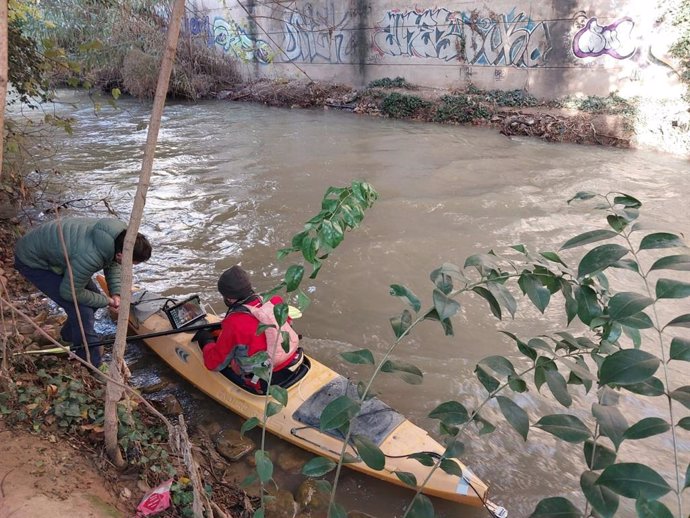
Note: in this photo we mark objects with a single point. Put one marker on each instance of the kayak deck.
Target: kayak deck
(400, 439)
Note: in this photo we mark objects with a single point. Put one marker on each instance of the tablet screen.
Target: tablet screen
(185, 312)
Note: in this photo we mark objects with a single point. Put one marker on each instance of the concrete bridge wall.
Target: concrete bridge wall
(549, 48)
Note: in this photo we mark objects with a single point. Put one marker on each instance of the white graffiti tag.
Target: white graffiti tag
(595, 40)
(313, 36)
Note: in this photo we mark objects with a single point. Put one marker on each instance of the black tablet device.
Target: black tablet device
(185, 312)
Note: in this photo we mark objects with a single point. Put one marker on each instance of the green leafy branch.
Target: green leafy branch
(342, 209)
(611, 319)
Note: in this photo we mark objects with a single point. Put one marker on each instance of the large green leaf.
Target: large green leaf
(369, 452)
(564, 426)
(673, 262)
(652, 387)
(682, 395)
(273, 409)
(602, 499)
(633, 480)
(279, 394)
(681, 321)
(443, 277)
(647, 427)
(611, 422)
(264, 466)
(293, 277)
(406, 478)
(680, 349)
(556, 507)
(331, 233)
(249, 424)
(588, 237)
(423, 458)
(444, 305)
(627, 367)
(421, 507)
(515, 415)
(499, 364)
(661, 240)
(488, 296)
(317, 467)
(627, 304)
(451, 467)
(652, 509)
(408, 372)
(338, 412)
(600, 258)
(617, 223)
(407, 295)
(637, 321)
(483, 262)
(597, 455)
(558, 386)
(280, 311)
(450, 413)
(684, 423)
(588, 307)
(401, 323)
(538, 294)
(627, 201)
(553, 257)
(503, 296)
(487, 380)
(686, 484)
(672, 289)
(361, 356)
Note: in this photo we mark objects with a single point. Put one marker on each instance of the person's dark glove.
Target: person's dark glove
(204, 337)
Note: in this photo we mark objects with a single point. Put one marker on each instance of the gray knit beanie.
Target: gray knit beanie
(234, 283)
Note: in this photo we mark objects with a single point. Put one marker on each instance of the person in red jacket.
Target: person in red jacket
(231, 351)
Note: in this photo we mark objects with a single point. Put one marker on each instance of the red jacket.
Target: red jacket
(238, 329)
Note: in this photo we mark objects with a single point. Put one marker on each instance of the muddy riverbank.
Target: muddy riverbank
(609, 121)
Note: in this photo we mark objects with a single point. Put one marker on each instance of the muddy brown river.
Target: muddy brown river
(233, 182)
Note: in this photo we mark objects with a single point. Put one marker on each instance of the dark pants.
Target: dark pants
(49, 283)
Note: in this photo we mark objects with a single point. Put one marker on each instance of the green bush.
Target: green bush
(387, 82)
(460, 108)
(400, 106)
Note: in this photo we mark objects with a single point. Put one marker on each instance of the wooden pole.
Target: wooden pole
(114, 392)
(4, 76)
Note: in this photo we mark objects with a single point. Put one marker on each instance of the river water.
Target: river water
(233, 182)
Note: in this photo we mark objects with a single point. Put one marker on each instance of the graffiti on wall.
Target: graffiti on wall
(231, 37)
(614, 40)
(317, 36)
(511, 39)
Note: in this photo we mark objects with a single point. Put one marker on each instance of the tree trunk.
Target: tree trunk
(4, 75)
(113, 392)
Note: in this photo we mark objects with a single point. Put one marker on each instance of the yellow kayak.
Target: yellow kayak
(297, 423)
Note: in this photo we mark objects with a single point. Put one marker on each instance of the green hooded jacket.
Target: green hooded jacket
(90, 246)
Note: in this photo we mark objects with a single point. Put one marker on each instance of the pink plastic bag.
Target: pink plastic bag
(156, 500)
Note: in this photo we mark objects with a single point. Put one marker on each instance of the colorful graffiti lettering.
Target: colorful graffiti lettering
(511, 39)
(313, 36)
(615, 40)
(232, 38)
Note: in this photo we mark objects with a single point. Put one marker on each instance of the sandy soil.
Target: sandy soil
(42, 478)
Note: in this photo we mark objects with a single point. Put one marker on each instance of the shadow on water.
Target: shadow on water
(233, 182)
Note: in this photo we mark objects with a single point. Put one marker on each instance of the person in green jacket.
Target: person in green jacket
(92, 245)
